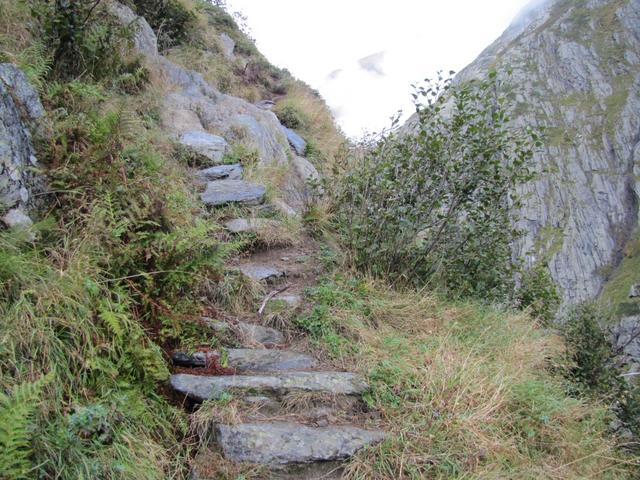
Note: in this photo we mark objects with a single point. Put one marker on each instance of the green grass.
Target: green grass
(465, 390)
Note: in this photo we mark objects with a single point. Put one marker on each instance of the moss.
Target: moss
(549, 242)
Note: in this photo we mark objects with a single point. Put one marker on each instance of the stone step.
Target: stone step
(251, 360)
(262, 273)
(249, 333)
(252, 225)
(221, 172)
(202, 143)
(280, 443)
(200, 388)
(222, 192)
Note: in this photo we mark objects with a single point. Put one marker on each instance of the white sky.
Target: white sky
(414, 39)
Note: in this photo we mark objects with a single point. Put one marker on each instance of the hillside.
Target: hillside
(178, 298)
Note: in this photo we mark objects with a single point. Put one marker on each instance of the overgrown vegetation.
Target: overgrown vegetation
(435, 206)
(465, 389)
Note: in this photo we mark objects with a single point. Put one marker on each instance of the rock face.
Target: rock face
(144, 39)
(20, 110)
(576, 72)
(285, 443)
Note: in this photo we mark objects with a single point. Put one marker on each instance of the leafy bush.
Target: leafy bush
(538, 292)
(593, 367)
(171, 21)
(435, 205)
(290, 117)
(84, 37)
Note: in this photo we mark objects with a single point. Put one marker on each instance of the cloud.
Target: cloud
(334, 74)
(531, 10)
(373, 63)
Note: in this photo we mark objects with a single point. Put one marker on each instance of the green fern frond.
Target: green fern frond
(16, 416)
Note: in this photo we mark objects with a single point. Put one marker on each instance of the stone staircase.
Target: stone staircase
(300, 419)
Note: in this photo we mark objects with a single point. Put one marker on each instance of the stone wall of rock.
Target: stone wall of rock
(20, 111)
(207, 121)
(576, 72)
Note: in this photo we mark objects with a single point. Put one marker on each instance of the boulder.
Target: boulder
(282, 443)
(202, 143)
(296, 141)
(261, 273)
(228, 46)
(20, 114)
(297, 192)
(250, 333)
(221, 172)
(144, 39)
(200, 388)
(222, 192)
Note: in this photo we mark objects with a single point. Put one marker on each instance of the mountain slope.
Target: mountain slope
(576, 72)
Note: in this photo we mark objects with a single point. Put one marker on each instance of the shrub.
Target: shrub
(290, 117)
(170, 20)
(85, 39)
(435, 205)
(538, 292)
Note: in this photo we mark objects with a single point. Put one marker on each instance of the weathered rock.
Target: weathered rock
(265, 360)
(583, 207)
(295, 140)
(200, 388)
(250, 333)
(144, 39)
(228, 46)
(16, 218)
(292, 300)
(298, 193)
(251, 225)
(20, 112)
(223, 192)
(261, 273)
(210, 146)
(250, 360)
(634, 292)
(221, 172)
(265, 104)
(286, 443)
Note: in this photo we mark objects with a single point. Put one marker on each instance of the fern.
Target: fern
(36, 64)
(16, 421)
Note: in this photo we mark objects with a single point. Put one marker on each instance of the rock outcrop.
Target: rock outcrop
(20, 112)
(206, 121)
(576, 72)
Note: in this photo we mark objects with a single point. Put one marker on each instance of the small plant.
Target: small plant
(171, 21)
(290, 117)
(538, 293)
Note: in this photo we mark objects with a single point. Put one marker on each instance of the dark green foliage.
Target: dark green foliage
(589, 349)
(538, 293)
(84, 39)
(17, 410)
(290, 117)
(435, 206)
(170, 20)
(593, 365)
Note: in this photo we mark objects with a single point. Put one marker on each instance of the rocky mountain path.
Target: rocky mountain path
(296, 416)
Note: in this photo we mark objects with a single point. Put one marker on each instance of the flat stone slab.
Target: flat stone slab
(250, 332)
(261, 273)
(221, 172)
(210, 146)
(222, 192)
(202, 388)
(296, 141)
(291, 300)
(251, 360)
(290, 443)
(251, 225)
